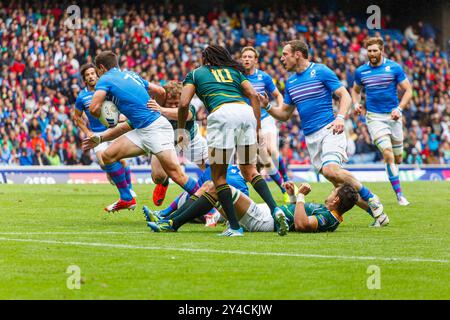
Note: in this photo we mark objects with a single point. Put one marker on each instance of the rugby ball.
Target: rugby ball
(109, 115)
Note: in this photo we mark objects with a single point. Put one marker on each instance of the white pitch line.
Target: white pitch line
(283, 254)
(69, 233)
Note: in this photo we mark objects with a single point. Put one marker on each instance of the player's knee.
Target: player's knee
(208, 186)
(388, 155)
(399, 159)
(331, 172)
(158, 178)
(107, 157)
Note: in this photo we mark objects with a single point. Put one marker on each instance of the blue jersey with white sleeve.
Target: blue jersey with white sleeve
(380, 84)
(261, 82)
(234, 178)
(82, 104)
(129, 93)
(311, 91)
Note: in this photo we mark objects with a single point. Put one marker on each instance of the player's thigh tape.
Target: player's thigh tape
(383, 143)
(397, 147)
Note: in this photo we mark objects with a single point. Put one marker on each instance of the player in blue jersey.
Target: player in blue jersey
(268, 151)
(151, 134)
(310, 90)
(380, 78)
(84, 98)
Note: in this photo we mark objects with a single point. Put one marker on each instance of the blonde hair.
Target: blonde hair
(374, 40)
(250, 49)
(173, 88)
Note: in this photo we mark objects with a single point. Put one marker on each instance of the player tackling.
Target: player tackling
(380, 77)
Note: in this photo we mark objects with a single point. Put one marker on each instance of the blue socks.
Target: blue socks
(117, 173)
(365, 193)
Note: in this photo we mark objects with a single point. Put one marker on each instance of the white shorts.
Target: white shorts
(325, 147)
(157, 137)
(258, 219)
(381, 124)
(233, 124)
(268, 125)
(197, 151)
(102, 146)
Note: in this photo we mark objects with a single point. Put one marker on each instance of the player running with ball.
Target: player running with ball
(310, 90)
(380, 77)
(84, 99)
(151, 133)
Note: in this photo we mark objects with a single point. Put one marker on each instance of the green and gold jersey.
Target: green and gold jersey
(327, 221)
(191, 125)
(216, 85)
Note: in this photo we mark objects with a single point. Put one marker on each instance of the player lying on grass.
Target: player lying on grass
(234, 178)
(298, 216)
(197, 149)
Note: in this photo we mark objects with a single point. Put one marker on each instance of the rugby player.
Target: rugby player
(151, 134)
(379, 78)
(299, 216)
(310, 90)
(268, 151)
(222, 87)
(84, 98)
(197, 151)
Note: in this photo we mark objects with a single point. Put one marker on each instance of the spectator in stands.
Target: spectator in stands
(40, 59)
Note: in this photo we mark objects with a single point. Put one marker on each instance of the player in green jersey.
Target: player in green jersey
(197, 150)
(232, 124)
(298, 216)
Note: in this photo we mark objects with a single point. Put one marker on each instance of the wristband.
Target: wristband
(292, 199)
(340, 116)
(268, 107)
(400, 109)
(301, 198)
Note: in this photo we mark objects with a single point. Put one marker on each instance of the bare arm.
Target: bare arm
(94, 140)
(169, 113)
(96, 103)
(157, 92)
(250, 93)
(278, 97)
(345, 102)
(183, 110)
(79, 122)
(302, 222)
(356, 98)
(406, 86)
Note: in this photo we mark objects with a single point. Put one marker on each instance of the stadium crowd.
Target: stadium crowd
(41, 55)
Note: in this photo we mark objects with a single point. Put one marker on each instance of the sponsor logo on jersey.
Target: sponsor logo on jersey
(313, 73)
(365, 72)
(388, 68)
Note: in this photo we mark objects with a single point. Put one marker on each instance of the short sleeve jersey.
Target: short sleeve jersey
(311, 91)
(129, 92)
(262, 82)
(82, 104)
(216, 85)
(327, 221)
(380, 85)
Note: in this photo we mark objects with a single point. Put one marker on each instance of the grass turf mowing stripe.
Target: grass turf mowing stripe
(285, 254)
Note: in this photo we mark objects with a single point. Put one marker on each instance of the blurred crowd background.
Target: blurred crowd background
(40, 60)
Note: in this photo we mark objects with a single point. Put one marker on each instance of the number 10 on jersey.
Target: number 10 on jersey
(220, 77)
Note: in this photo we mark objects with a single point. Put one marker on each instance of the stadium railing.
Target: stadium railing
(141, 174)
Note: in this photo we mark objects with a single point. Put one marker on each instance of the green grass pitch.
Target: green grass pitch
(46, 229)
